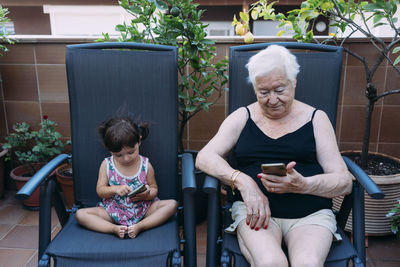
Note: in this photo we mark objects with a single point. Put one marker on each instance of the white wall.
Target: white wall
(85, 20)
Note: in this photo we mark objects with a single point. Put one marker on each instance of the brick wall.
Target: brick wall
(34, 84)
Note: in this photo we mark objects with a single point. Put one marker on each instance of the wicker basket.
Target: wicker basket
(376, 222)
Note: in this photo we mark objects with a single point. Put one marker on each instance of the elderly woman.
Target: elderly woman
(295, 208)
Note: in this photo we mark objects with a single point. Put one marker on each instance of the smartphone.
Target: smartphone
(137, 190)
(274, 168)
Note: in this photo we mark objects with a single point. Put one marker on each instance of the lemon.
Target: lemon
(248, 38)
(175, 11)
(239, 29)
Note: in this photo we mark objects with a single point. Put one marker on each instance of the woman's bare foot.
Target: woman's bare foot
(120, 230)
(134, 230)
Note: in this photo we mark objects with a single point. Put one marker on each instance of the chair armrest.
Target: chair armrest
(188, 177)
(211, 185)
(366, 182)
(26, 191)
(189, 209)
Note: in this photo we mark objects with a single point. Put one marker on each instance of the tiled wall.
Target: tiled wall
(34, 84)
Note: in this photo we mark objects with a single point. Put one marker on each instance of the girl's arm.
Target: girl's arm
(152, 189)
(103, 189)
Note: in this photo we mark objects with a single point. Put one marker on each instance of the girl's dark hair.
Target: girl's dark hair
(119, 132)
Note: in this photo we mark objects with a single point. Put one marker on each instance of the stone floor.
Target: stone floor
(19, 238)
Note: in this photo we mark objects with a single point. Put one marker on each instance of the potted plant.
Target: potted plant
(4, 39)
(394, 214)
(348, 18)
(202, 80)
(65, 180)
(30, 150)
(3, 152)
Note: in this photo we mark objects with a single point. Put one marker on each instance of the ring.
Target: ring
(272, 189)
(255, 214)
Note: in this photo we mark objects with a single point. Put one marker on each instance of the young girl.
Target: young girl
(119, 175)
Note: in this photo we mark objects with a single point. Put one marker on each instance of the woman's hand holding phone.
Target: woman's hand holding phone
(278, 169)
(290, 182)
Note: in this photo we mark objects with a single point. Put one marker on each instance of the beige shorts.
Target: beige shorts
(324, 218)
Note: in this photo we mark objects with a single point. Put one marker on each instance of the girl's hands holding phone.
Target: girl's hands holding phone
(145, 195)
(293, 182)
(122, 190)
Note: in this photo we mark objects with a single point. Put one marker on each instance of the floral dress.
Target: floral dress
(121, 209)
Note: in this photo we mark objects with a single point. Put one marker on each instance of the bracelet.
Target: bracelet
(234, 175)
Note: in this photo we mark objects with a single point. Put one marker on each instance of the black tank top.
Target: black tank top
(254, 148)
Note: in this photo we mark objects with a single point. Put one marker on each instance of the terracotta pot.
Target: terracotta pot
(19, 176)
(66, 183)
(376, 222)
(2, 154)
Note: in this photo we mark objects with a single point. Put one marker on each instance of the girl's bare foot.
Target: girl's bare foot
(120, 230)
(134, 230)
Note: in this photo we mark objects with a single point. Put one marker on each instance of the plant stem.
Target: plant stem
(367, 133)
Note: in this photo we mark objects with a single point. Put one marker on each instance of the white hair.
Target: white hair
(271, 59)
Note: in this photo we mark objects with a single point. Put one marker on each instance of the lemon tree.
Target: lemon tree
(4, 35)
(203, 79)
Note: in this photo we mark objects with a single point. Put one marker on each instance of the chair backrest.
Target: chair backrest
(139, 80)
(318, 81)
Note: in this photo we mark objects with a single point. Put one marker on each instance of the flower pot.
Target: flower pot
(2, 154)
(19, 175)
(65, 180)
(376, 222)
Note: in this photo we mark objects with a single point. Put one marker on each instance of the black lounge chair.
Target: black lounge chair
(318, 84)
(102, 78)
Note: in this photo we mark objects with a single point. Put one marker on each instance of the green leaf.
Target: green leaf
(327, 6)
(207, 41)
(396, 50)
(182, 94)
(235, 21)
(244, 16)
(379, 24)
(254, 14)
(280, 33)
(377, 18)
(396, 61)
(135, 9)
(190, 108)
(370, 7)
(120, 28)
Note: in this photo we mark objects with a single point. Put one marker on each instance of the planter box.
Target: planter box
(376, 222)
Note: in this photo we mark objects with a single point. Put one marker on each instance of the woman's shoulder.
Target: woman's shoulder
(240, 115)
(233, 123)
(308, 110)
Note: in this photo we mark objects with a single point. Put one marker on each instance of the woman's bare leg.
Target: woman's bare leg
(158, 213)
(97, 219)
(262, 247)
(308, 245)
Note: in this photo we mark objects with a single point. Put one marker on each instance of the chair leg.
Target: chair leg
(225, 259)
(176, 260)
(46, 191)
(44, 261)
(357, 262)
